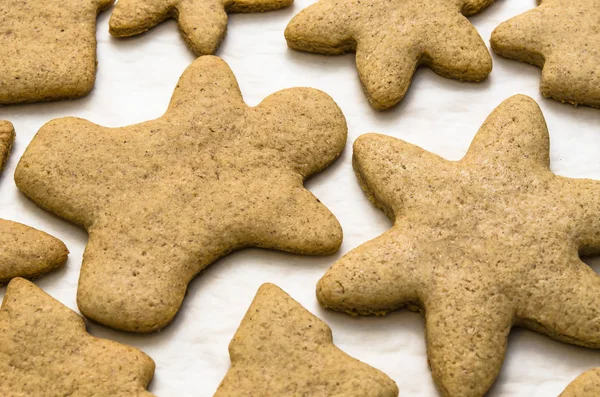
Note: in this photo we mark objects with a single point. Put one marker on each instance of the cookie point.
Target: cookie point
(18, 282)
(329, 291)
(521, 100)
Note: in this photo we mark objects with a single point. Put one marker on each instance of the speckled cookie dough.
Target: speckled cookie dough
(47, 49)
(392, 38)
(27, 252)
(7, 137)
(24, 251)
(479, 245)
(282, 350)
(586, 385)
(45, 351)
(202, 23)
(164, 199)
(563, 38)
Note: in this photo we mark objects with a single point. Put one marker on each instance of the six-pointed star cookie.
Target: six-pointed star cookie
(24, 251)
(392, 38)
(479, 244)
(163, 199)
(563, 38)
(586, 385)
(47, 49)
(202, 23)
(45, 351)
(282, 350)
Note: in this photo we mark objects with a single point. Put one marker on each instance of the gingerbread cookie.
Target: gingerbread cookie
(164, 199)
(47, 49)
(281, 349)
(45, 351)
(586, 385)
(392, 38)
(479, 245)
(24, 251)
(28, 252)
(562, 38)
(7, 137)
(202, 23)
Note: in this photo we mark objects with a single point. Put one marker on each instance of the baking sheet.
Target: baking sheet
(135, 81)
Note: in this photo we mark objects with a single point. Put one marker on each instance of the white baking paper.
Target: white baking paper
(135, 81)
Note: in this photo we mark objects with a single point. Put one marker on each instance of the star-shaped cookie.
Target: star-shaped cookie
(392, 38)
(47, 49)
(282, 350)
(202, 23)
(479, 245)
(163, 199)
(586, 385)
(563, 38)
(24, 251)
(45, 351)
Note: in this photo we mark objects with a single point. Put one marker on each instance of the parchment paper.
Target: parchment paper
(135, 81)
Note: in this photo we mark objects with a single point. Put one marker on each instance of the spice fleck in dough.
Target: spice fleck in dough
(586, 385)
(24, 251)
(202, 23)
(47, 49)
(563, 38)
(282, 350)
(45, 351)
(392, 38)
(163, 199)
(479, 245)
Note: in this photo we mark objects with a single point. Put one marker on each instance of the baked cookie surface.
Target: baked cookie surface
(28, 252)
(479, 245)
(24, 251)
(392, 37)
(163, 199)
(563, 38)
(282, 350)
(47, 49)
(7, 137)
(45, 351)
(586, 385)
(202, 23)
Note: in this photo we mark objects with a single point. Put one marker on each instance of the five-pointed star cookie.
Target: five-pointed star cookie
(479, 245)
(202, 23)
(163, 199)
(282, 350)
(47, 49)
(392, 38)
(563, 38)
(586, 385)
(24, 251)
(45, 351)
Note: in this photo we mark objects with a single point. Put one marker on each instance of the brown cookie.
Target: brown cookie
(479, 245)
(586, 385)
(392, 38)
(45, 351)
(7, 137)
(562, 38)
(163, 199)
(282, 350)
(28, 252)
(24, 251)
(47, 49)
(202, 23)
